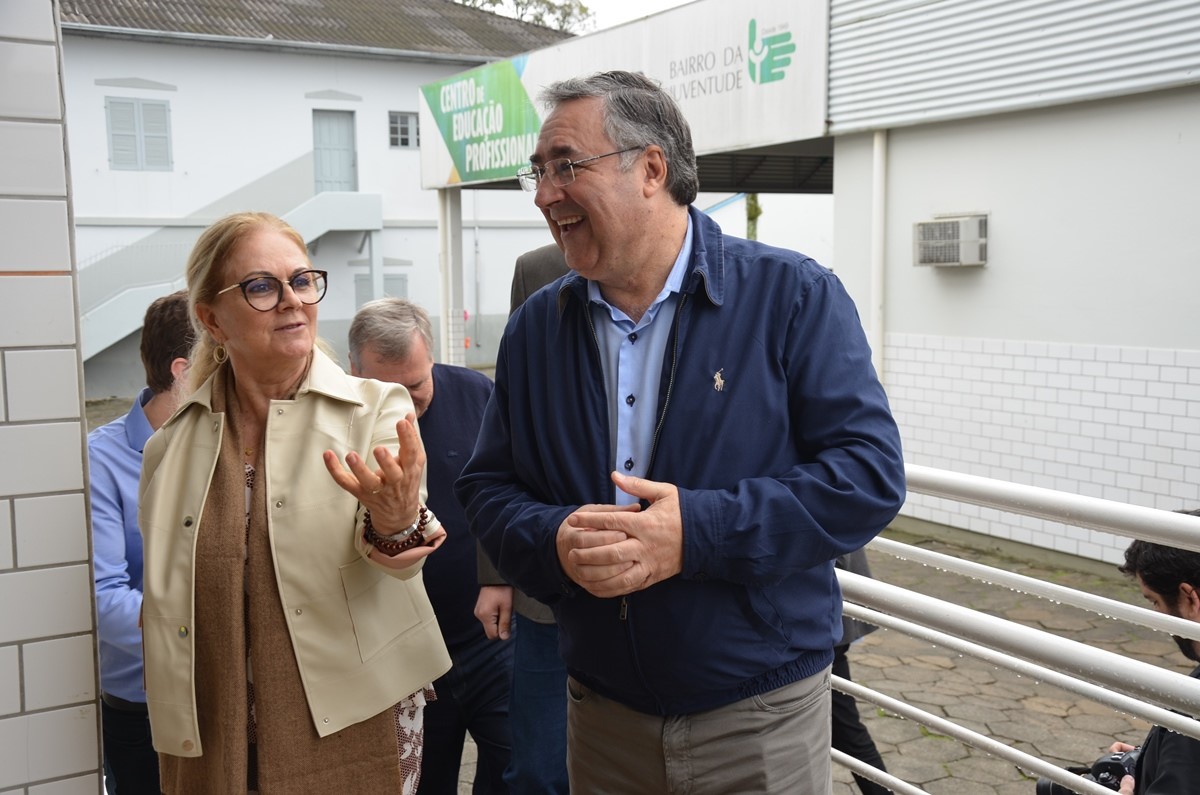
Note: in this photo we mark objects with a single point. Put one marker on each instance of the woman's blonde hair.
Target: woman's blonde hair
(206, 277)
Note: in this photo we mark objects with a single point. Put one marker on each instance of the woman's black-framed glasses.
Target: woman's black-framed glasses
(265, 292)
(561, 171)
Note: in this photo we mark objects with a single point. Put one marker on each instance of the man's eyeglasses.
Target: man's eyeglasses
(561, 171)
(265, 292)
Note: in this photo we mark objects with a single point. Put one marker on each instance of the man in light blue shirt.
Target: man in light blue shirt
(115, 465)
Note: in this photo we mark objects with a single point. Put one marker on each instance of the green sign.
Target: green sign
(486, 119)
(769, 55)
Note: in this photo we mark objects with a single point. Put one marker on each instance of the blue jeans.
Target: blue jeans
(471, 697)
(538, 712)
(130, 762)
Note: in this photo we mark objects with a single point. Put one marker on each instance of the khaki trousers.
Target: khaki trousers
(774, 743)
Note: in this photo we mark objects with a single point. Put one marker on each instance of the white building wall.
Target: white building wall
(49, 730)
(1072, 360)
(242, 138)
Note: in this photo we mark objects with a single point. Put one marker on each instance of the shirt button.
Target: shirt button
(188, 745)
(633, 336)
(630, 400)
(279, 503)
(299, 611)
(183, 632)
(628, 464)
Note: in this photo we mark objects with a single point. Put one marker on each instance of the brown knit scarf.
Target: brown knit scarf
(238, 605)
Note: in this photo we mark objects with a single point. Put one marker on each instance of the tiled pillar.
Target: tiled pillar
(49, 731)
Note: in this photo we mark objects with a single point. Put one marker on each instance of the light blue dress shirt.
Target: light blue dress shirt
(632, 357)
(115, 462)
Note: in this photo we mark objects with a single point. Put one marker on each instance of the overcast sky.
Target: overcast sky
(614, 12)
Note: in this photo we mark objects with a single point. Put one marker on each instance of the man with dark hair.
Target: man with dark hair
(683, 436)
(392, 340)
(1170, 581)
(115, 465)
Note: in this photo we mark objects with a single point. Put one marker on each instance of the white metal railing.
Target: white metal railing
(1126, 685)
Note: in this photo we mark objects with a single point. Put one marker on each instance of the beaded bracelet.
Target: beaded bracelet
(413, 536)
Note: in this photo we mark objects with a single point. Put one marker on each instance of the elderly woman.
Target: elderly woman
(288, 637)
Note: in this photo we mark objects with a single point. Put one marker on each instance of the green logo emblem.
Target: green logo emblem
(770, 55)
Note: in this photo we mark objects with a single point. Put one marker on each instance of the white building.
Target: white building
(182, 114)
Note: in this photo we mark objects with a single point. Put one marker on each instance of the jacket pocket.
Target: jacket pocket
(381, 607)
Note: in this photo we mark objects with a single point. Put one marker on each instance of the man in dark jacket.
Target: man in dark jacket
(1170, 581)
(683, 436)
(392, 340)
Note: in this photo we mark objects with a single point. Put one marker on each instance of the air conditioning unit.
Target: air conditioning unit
(951, 241)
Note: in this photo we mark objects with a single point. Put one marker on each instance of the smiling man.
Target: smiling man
(684, 435)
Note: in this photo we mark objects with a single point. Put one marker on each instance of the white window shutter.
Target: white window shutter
(122, 133)
(156, 135)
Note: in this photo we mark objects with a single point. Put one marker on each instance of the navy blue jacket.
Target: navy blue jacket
(448, 430)
(775, 429)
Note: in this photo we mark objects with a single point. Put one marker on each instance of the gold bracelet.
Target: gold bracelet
(410, 537)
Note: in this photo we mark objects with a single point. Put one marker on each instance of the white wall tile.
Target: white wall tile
(10, 680)
(42, 384)
(44, 463)
(29, 80)
(80, 785)
(14, 747)
(6, 535)
(62, 742)
(35, 235)
(37, 310)
(32, 160)
(50, 530)
(1102, 421)
(26, 20)
(62, 598)
(59, 672)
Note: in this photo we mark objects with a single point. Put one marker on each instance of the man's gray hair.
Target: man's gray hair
(638, 113)
(388, 325)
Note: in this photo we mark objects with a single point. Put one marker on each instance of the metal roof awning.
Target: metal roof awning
(797, 167)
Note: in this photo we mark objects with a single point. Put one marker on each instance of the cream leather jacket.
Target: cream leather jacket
(364, 635)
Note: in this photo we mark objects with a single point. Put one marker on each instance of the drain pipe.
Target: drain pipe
(878, 253)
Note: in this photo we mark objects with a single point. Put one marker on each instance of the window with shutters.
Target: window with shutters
(402, 130)
(139, 134)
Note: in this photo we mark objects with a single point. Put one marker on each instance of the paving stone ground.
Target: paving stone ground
(1041, 719)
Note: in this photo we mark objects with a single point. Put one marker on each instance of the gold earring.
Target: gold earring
(220, 355)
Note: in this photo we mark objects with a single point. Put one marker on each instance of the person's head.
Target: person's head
(632, 166)
(1170, 581)
(253, 294)
(167, 338)
(391, 339)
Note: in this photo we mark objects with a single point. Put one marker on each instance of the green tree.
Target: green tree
(753, 210)
(571, 16)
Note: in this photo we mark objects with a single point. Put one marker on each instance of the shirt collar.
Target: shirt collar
(672, 285)
(137, 427)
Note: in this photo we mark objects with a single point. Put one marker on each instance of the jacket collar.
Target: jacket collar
(324, 377)
(707, 267)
